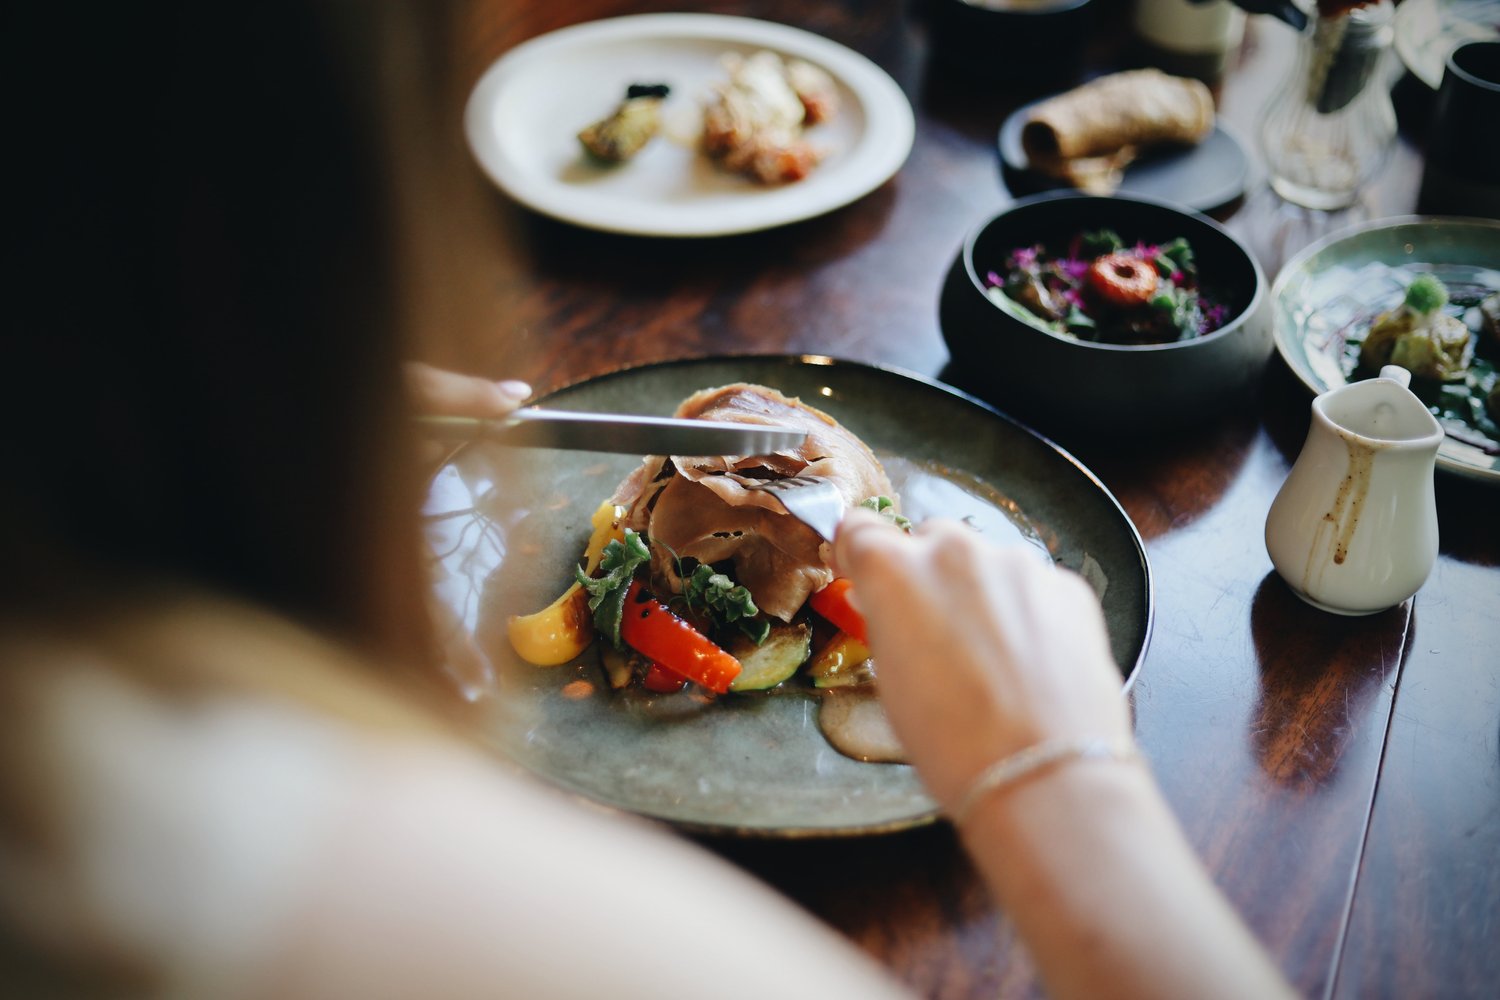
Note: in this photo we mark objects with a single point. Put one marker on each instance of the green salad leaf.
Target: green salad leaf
(724, 601)
(606, 591)
(1097, 244)
(1174, 256)
(1015, 310)
(886, 508)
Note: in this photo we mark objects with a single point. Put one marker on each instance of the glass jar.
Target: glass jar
(1331, 126)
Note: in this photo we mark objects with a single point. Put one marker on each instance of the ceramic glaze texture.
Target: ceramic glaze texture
(1354, 528)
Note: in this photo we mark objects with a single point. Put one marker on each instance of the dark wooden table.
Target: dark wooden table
(1340, 777)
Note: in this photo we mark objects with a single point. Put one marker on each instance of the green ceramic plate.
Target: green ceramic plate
(1335, 288)
(507, 525)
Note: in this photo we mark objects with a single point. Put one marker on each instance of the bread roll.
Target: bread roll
(1118, 112)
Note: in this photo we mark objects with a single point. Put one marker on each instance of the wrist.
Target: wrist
(1073, 795)
(1034, 762)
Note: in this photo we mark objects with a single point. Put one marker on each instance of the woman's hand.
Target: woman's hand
(436, 392)
(981, 651)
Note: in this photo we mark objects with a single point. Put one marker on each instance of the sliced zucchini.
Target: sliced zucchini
(844, 662)
(773, 661)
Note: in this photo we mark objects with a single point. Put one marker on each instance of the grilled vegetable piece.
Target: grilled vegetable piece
(563, 629)
(620, 666)
(777, 658)
(648, 627)
(1438, 349)
(833, 603)
(843, 662)
(661, 680)
(634, 123)
(1419, 336)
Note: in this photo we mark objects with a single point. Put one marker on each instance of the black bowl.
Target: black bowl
(1058, 383)
(1009, 40)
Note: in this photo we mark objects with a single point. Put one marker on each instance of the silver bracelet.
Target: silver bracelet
(1027, 761)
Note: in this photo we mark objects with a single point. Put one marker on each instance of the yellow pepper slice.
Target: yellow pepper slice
(839, 663)
(563, 629)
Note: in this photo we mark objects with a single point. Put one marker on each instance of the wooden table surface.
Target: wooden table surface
(1340, 776)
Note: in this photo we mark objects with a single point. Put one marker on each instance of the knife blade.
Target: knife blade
(614, 432)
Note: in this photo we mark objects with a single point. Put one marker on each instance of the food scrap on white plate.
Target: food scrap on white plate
(626, 131)
(754, 123)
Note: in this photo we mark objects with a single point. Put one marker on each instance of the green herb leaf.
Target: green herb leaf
(1015, 310)
(606, 591)
(758, 629)
(1180, 253)
(1097, 244)
(1080, 320)
(608, 612)
(724, 601)
(1426, 294)
(886, 508)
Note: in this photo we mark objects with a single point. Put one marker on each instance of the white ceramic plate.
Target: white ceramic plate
(524, 115)
(1334, 289)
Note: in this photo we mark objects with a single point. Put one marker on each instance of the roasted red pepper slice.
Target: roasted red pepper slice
(832, 602)
(658, 634)
(661, 680)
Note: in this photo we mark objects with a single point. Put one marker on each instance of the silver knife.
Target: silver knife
(615, 432)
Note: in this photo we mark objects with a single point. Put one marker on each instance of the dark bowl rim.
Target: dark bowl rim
(1257, 298)
(1019, 8)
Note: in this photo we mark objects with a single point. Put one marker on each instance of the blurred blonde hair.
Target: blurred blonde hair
(208, 483)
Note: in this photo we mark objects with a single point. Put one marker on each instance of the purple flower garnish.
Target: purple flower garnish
(1213, 318)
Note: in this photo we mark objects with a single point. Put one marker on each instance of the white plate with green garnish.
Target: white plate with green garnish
(1327, 299)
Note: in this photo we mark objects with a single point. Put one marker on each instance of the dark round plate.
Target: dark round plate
(1202, 177)
(506, 526)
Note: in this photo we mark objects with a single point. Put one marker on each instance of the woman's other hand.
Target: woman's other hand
(982, 651)
(436, 392)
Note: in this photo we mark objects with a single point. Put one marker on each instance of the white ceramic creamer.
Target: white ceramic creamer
(1354, 528)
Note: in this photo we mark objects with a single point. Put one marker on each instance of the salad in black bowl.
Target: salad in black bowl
(1106, 315)
(1099, 289)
